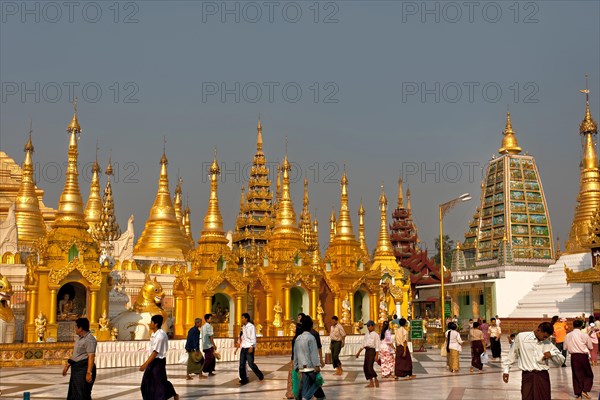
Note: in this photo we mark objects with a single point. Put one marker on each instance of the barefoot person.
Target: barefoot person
(531, 351)
(192, 346)
(83, 372)
(578, 343)
(371, 343)
(403, 366)
(208, 346)
(155, 385)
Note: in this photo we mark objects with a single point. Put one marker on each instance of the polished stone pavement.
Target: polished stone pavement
(433, 382)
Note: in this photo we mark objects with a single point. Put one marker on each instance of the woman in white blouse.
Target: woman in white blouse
(453, 347)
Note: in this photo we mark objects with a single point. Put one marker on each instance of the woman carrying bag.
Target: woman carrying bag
(477, 347)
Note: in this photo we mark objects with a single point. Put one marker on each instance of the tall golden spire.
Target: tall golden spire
(213, 221)
(305, 223)
(509, 141)
(344, 229)
(285, 220)
(384, 245)
(588, 199)
(259, 138)
(316, 250)
(107, 228)
(361, 229)
(70, 206)
(187, 222)
(400, 193)
(162, 236)
(332, 225)
(178, 204)
(29, 219)
(408, 206)
(93, 207)
(278, 185)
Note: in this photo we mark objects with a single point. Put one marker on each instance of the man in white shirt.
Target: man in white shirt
(371, 343)
(208, 346)
(578, 343)
(248, 345)
(532, 350)
(155, 385)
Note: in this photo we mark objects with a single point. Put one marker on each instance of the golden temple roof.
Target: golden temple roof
(510, 144)
(588, 199)
(285, 221)
(93, 207)
(70, 206)
(162, 235)
(29, 219)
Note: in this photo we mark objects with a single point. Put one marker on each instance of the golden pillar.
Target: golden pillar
(189, 310)
(269, 309)
(207, 304)
(455, 303)
(405, 301)
(374, 307)
(238, 310)
(179, 326)
(286, 302)
(336, 305)
(313, 303)
(93, 306)
(474, 295)
(352, 311)
(52, 315)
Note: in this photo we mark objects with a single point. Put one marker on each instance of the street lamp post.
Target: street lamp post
(444, 208)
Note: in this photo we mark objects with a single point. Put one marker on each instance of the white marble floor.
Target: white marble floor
(433, 382)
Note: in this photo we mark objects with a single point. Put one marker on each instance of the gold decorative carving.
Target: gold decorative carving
(93, 276)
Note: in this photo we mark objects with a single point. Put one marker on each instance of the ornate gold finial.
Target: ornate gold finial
(384, 250)
(107, 229)
(212, 231)
(305, 219)
(70, 206)
(344, 229)
(400, 193)
(361, 229)
(589, 178)
(588, 125)
(259, 138)
(510, 144)
(188, 222)
(408, 206)
(29, 219)
(93, 207)
(278, 184)
(162, 235)
(332, 225)
(163, 160)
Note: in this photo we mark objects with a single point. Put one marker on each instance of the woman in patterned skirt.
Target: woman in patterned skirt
(386, 351)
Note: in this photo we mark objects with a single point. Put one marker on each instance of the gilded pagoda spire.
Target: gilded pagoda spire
(278, 185)
(384, 245)
(177, 201)
(400, 193)
(286, 216)
(316, 250)
(332, 225)
(29, 219)
(344, 229)
(510, 144)
(213, 221)
(588, 199)
(93, 207)
(305, 219)
(361, 229)
(408, 206)
(187, 222)
(162, 235)
(70, 206)
(107, 228)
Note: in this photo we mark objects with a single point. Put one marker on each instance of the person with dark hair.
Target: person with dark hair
(477, 347)
(403, 364)
(192, 346)
(337, 335)
(485, 329)
(248, 346)
(453, 347)
(560, 333)
(289, 393)
(208, 346)
(319, 393)
(306, 360)
(386, 351)
(578, 343)
(371, 343)
(531, 351)
(83, 372)
(155, 385)
(494, 332)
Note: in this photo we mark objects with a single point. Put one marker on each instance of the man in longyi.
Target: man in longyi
(578, 343)
(155, 385)
(83, 369)
(192, 347)
(531, 351)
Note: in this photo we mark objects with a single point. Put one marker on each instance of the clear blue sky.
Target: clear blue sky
(358, 67)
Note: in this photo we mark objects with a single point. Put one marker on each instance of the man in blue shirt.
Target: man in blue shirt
(192, 346)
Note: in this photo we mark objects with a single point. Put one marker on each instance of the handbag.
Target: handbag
(183, 359)
(443, 351)
(328, 358)
(295, 383)
(485, 358)
(197, 357)
(319, 379)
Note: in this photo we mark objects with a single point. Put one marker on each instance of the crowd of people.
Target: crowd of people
(534, 352)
